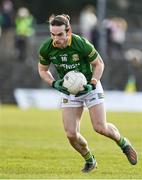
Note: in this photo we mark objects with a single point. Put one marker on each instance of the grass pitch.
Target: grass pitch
(33, 145)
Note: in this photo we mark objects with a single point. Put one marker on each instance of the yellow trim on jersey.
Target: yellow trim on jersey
(70, 40)
(54, 44)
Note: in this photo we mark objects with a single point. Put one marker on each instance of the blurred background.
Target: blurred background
(114, 27)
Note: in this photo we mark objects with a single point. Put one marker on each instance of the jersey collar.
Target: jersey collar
(70, 40)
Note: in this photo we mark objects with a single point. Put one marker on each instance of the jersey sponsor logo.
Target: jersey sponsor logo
(92, 53)
(75, 57)
(64, 57)
(69, 66)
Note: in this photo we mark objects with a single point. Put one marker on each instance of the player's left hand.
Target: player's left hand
(87, 88)
(58, 86)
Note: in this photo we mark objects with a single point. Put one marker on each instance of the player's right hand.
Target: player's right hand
(58, 86)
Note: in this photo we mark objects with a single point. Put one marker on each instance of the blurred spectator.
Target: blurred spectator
(6, 14)
(0, 21)
(88, 20)
(116, 35)
(95, 35)
(134, 58)
(6, 23)
(116, 28)
(24, 23)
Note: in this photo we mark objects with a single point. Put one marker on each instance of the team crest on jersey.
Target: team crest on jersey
(64, 57)
(75, 57)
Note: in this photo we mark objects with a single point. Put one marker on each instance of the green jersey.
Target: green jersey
(76, 56)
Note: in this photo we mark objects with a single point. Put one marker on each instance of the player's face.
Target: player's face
(59, 36)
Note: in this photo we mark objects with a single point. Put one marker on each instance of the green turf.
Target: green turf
(33, 145)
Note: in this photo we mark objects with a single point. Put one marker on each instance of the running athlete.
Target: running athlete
(68, 51)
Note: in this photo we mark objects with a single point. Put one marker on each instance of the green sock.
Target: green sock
(88, 157)
(121, 142)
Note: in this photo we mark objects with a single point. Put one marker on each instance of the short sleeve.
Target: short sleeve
(43, 54)
(89, 50)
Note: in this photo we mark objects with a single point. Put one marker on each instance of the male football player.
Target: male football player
(68, 51)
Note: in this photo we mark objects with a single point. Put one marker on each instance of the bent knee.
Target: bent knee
(71, 135)
(100, 129)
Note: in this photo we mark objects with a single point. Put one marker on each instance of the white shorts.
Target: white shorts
(90, 99)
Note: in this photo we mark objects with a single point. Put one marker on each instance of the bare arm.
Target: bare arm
(98, 68)
(45, 74)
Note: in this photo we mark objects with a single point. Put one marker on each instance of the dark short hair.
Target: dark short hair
(60, 20)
